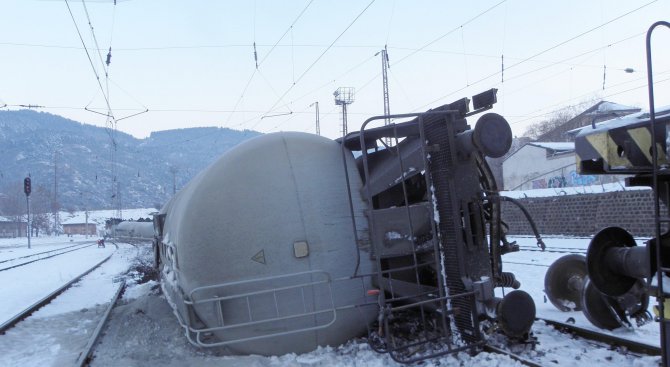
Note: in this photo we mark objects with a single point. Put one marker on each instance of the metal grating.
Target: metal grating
(413, 261)
(440, 132)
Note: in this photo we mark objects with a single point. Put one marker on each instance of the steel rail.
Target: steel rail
(43, 252)
(39, 304)
(44, 258)
(554, 250)
(526, 362)
(85, 356)
(611, 340)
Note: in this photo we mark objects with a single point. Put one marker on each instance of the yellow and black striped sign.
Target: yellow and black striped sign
(624, 149)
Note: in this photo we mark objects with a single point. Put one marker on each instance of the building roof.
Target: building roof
(622, 120)
(555, 146)
(601, 111)
(606, 106)
(10, 219)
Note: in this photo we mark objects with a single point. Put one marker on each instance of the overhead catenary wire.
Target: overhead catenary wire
(259, 63)
(295, 45)
(531, 115)
(563, 102)
(564, 61)
(317, 59)
(541, 52)
(505, 60)
(417, 50)
(426, 45)
(88, 55)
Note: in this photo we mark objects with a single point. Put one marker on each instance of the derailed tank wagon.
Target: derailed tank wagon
(292, 241)
(133, 231)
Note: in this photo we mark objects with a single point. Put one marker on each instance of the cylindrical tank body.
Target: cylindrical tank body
(134, 230)
(267, 231)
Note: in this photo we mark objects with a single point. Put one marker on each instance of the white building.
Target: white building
(540, 165)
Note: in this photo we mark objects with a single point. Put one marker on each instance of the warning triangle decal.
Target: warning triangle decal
(259, 257)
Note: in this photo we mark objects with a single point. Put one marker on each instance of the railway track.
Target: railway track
(44, 301)
(29, 259)
(85, 356)
(593, 338)
(561, 250)
(613, 342)
(40, 253)
(524, 361)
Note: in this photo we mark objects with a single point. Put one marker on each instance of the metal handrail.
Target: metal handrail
(657, 207)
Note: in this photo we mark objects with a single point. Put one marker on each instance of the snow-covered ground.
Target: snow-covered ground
(143, 330)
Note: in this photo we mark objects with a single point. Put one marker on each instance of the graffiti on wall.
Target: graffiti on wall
(539, 184)
(557, 181)
(582, 180)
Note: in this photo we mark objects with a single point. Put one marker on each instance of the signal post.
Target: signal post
(26, 190)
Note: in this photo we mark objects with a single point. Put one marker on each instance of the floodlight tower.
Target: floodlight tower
(344, 96)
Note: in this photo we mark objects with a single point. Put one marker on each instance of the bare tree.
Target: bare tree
(40, 207)
(13, 203)
(557, 118)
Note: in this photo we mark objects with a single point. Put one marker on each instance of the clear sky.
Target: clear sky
(191, 63)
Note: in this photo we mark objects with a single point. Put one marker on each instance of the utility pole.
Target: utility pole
(84, 204)
(173, 170)
(55, 202)
(318, 127)
(385, 81)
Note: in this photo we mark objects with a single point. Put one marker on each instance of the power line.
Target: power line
(582, 34)
(88, 55)
(415, 51)
(95, 39)
(563, 102)
(450, 32)
(563, 61)
(541, 53)
(317, 60)
(246, 87)
(290, 28)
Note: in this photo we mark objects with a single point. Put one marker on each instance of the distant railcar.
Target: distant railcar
(134, 231)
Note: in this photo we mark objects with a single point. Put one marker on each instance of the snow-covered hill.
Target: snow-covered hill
(75, 159)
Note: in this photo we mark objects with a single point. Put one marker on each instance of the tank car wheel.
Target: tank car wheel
(600, 310)
(564, 281)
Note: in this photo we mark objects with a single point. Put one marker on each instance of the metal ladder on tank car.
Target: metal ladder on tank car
(661, 185)
(418, 264)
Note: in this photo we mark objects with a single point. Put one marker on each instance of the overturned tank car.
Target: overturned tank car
(133, 231)
(291, 241)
